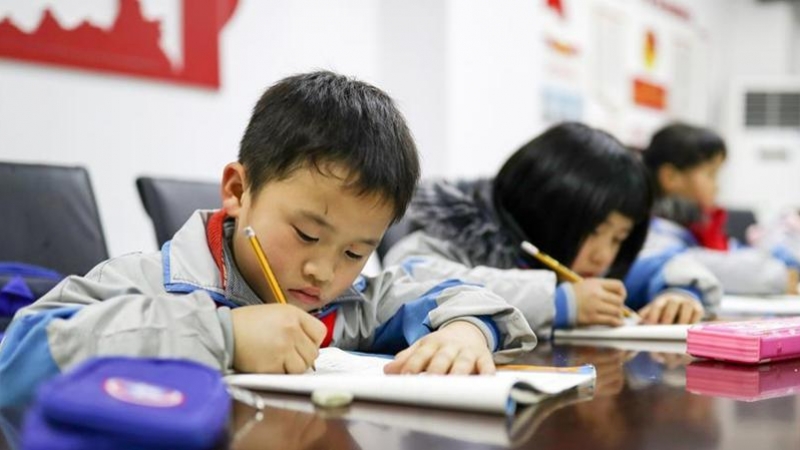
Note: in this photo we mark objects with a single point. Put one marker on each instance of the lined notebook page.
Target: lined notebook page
(333, 360)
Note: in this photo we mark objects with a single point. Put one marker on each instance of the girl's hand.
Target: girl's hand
(599, 301)
(670, 308)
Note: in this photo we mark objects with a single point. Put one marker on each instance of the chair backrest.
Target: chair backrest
(170, 202)
(50, 218)
(738, 222)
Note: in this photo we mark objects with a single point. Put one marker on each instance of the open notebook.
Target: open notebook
(363, 377)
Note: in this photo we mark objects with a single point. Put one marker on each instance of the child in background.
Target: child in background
(326, 164)
(578, 195)
(781, 237)
(684, 162)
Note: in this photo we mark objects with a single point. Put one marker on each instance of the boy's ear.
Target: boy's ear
(234, 185)
(670, 179)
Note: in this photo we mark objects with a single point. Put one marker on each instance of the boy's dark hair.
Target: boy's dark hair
(559, 187)
(320, 118)
(683, 146)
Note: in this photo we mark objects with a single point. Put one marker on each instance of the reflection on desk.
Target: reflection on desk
(458, 425)
(740, 382)
(641, 402)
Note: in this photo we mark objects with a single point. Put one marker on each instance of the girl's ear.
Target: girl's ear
(234, 185)
(670, 179)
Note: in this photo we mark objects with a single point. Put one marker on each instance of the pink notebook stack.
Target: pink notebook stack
(748, 383)
(752, 341)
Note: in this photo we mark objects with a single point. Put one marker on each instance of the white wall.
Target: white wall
(468, 74)
(498, 66)
(122, 127)
(762, 52)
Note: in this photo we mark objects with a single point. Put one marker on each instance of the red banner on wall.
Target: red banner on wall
(649, 94)
(131, 45)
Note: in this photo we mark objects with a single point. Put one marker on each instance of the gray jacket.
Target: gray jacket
(172, 303)
(744, 271)
(532, 291)
(461, 234)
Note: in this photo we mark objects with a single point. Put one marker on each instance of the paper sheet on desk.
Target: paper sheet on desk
(628, 331)
(363, 377)
(632, 345)
(787, 305)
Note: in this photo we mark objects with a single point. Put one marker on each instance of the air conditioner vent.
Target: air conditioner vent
(772, 109)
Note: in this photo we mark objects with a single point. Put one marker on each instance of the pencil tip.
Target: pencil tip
(249, 232)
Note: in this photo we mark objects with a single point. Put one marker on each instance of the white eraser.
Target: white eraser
(329, 398)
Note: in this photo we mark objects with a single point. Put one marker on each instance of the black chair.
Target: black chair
(739, 220)
(50, 218)
(170, 202)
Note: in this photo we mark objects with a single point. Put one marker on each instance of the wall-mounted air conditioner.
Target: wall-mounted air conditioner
(763, 135)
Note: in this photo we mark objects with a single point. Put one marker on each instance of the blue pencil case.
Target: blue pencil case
(129, 403)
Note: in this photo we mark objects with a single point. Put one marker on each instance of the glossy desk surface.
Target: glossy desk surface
(640, 401)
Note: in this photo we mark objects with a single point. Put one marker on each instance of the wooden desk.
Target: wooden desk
(640, 402)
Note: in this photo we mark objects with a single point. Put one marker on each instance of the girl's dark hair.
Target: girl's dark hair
(559, 187)
(319, 118)
(682, 145)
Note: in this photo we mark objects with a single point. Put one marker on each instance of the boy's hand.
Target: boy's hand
(672, 308)
(275, 339)
(599, 301)
(457, 349)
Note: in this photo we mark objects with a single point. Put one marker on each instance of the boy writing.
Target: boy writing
(325, 166)
(684, 162)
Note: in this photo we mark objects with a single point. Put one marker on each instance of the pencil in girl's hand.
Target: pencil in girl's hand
(565, 272)
(262, 260)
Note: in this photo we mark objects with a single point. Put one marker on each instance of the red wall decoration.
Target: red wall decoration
(130, 46)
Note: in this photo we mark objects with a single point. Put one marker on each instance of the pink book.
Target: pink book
(752, 341)
(748, 383)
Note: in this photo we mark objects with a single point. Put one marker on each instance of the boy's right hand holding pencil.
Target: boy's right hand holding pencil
(275, 338)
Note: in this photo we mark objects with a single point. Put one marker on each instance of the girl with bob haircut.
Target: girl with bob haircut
(578, 195)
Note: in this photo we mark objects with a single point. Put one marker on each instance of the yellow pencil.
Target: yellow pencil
(565, 272)
(262, 260)
(264, 263)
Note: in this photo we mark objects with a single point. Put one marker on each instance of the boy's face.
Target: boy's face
(600, 248)
(316, 233)
(698, 183)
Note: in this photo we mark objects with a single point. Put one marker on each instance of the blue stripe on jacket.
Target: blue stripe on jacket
(25, 358)
(645, 278)
(187, 288)
(410, 323)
